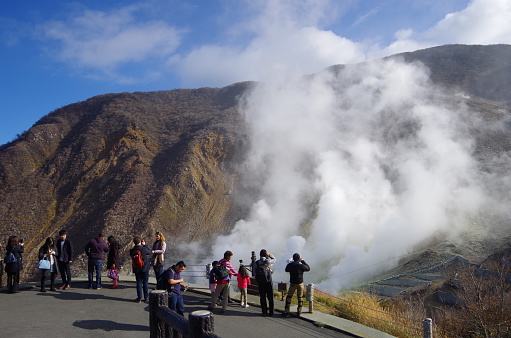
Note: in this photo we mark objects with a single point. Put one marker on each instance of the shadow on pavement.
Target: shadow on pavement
(108, 325)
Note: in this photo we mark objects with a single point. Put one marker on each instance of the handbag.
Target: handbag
(112, 273)
(44, 264)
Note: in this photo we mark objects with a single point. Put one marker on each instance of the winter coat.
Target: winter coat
(43, 251)
(296, 270)
(243, 282)
(158, 257)
(65, 254)
(229, 267)
(17, 250)
(146, 252)
(113, 255)
(95, 248)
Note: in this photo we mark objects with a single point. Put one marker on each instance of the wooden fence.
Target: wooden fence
(164, 322)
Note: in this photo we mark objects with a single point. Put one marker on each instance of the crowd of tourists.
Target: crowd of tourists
(57, 256)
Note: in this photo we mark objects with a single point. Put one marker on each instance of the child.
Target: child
(212, 279)
(243, 282)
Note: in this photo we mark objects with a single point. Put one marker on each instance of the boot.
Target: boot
(115, 284)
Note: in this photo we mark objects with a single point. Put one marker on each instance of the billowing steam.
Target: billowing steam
(353, 168)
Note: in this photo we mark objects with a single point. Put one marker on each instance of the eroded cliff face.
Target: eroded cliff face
(126, 165)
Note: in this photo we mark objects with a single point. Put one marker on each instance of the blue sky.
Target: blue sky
(54, 53)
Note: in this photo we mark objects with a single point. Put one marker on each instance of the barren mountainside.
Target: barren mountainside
(133, 163)
(124, 164)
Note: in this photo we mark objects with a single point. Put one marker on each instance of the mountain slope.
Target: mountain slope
(133, 163)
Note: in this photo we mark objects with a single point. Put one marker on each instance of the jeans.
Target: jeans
(65, 272)
(142, 278)
(95, 264)
(158, 270)
(176, 303)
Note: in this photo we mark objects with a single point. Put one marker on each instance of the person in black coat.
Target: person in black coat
(141, 273)
(47, 251)
(296, 269)
(13, 269)
(64, 259)
(113, 258)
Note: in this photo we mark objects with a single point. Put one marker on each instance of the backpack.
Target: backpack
(163, 281)
(137, 261)
(262, 272)
(10, 258)
(220, 272)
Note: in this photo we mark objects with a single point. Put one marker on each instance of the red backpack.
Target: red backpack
(137, 261)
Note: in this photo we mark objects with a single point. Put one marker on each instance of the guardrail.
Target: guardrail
(164, 322)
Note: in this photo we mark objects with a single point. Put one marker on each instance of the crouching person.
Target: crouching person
(175, 282)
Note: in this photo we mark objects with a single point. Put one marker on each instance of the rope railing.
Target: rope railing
(383, 323)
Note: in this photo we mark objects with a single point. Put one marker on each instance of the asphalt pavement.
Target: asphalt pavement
(81, 312)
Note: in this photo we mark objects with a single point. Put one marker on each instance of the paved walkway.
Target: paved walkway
(81, 312)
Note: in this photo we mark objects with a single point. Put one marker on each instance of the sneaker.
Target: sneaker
(98, 288)
(246, 305)
(242, 304)
(285, 314)
(138, 301)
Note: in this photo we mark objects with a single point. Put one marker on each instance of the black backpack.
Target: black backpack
(162, 283)
(262, 272)
(220, 272)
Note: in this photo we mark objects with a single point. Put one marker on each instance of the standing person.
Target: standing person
(264, 279)
(226, 261)
(47, 251)
(112, 262)
(64, 259)
(265, 287)
(212, 279)
(296, 269)
(221, 278)
(175, 283)
(13, 269)
(140, 262)
(158, 258)
(95, 250)
(243, 282)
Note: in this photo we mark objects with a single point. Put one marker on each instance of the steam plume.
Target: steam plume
(352, 167)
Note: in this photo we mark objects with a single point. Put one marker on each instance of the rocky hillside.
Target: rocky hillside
(125, 164)
(135, 163)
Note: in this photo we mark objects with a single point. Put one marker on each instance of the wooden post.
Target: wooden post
(310, 297)
(157, 327)
(428, 328)
(199, 323)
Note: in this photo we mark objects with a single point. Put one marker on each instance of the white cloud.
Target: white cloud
(481, 22)
(102, 43)
(285, 37)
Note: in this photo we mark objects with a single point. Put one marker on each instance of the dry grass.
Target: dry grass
(397, 317)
